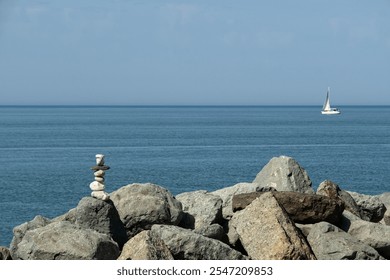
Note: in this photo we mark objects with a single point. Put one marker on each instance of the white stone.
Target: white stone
(100, 195)
(99, 173)
(96, 186)
(99, 179)
(99, 159)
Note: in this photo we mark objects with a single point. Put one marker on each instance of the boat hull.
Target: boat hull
(330, 112)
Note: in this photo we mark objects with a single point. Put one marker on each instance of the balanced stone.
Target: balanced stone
(99, 179)
(98, 167)
(96, 186)
(99, 173)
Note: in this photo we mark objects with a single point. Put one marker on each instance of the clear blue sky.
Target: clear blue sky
(214, 52)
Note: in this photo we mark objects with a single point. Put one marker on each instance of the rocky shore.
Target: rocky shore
(278, 216)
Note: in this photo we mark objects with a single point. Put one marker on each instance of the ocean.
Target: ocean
(47, 151)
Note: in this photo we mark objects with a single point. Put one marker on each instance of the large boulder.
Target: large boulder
(144, 246)
(372, 208)
(226, 194)
(284, 174)
(267, 233)
(375, 235)
(102, 216)
(332, 190)
(142, 205)
(20, 231)
(201, 209)
(328, 242)
(66, 241)
(185, 244)
(301, 207)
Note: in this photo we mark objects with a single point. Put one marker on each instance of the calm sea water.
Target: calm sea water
(47, 152)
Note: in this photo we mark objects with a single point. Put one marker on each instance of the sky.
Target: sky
(200, 52)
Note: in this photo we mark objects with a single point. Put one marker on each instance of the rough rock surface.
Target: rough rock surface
(144, 246)
(102, 216)
(66, 241)
(142, 205)
(332, 190)
(5, 254)
(226, 194)
(385, 199)
(20, 231)
(184, 244)
(267, 233)
(301, 207)
(373, 234)
(371, 207)
(214, 231)
(284, 174)
(331, 243)
(201, 209)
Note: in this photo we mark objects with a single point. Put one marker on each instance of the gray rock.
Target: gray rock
(185, 244)
(5, 254)
(385, 199)
(143, 246)
(372, 208)
(202, 209)
(101, 216)
(331, 243)
(332, 190)
(142, 205)
(301, 207)
(347, 218)
(373, 234)
(20, 231)
(284, 174)
(267, 233)
(226, 194)
(214, 231)
(66, 241)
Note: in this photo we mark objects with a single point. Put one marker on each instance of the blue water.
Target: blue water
(47, 152)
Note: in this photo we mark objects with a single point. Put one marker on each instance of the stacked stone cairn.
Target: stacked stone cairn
(98, 186)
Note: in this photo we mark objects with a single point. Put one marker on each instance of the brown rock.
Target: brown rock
(301, 207)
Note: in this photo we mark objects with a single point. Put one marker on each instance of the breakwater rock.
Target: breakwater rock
(277, 216)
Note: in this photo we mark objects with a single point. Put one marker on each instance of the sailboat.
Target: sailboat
(326, 109)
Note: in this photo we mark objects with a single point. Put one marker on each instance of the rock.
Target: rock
(142, 205)
(226, 194)
(5, 254)
(99, 180)
(332, 190)
(346, 219)
(284, 174)
(101, 216)
(331, 243)
(267, 233)
(214, 231)
(301, 207)
(20, 231)
(143, 246)
(385, 199)
(371, 207)
(66, 241)
(184, 244)
(202, 209)
(96, 186)
(100, 195)
(373, 234)
(99, 173)
(97, 168)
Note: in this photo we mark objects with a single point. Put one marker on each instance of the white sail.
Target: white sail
(326, 109)
(326, 106)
